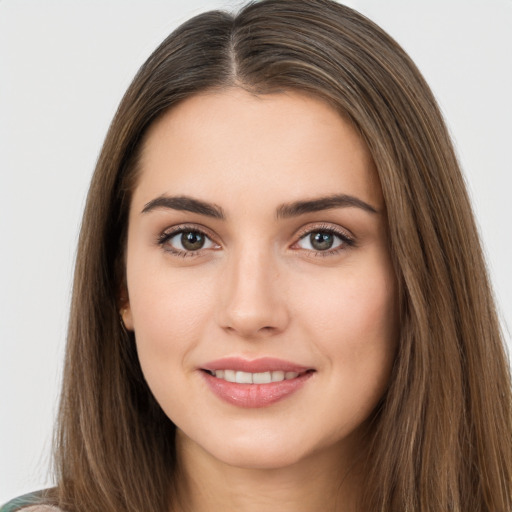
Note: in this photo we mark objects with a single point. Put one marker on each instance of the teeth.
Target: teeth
(229, 375)
(243, 378)
(253, 378)
(261, 378)
(277, 376)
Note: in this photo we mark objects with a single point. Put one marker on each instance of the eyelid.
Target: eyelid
(188, 226)
(324, 226)
(346, 237)
(173, 231)
(348, 240)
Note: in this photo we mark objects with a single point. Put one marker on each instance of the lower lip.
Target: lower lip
(254, 395)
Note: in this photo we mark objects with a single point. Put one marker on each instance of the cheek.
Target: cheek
(170, 311)
(170, 314)
(357, 306)
(355, 327)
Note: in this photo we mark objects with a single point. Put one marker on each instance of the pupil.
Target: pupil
(321, 241)
(192, 240)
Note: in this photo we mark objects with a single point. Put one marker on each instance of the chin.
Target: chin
(256, 448)
(266, 458)
(265, 449)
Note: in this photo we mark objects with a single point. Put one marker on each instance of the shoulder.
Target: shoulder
(29, 503)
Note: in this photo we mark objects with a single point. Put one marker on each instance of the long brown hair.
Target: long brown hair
(442, 436)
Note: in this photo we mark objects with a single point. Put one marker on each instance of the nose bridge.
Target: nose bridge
(253, 302)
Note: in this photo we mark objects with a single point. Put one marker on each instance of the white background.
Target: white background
(63, 69)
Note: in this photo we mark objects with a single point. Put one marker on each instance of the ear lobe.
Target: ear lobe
(125, 311)
(126, 316)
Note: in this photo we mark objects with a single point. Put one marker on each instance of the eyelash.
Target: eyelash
(346, 241)
(167, 235)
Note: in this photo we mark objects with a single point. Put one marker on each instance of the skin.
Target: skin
(258, 288)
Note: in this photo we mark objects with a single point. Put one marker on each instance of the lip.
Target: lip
(255, 395)
(262, 364)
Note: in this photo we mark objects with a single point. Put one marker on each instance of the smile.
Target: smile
(257, 383)
(241, 377)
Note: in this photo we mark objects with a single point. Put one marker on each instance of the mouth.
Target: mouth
(267, 377)
(257, 383)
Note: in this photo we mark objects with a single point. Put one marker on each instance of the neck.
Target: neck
(329, 480)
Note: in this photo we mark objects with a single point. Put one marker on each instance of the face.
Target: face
(259, 282)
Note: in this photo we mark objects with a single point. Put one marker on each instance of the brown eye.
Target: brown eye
(321, 240)
(186, 241)
(192, 240)
(324, 240)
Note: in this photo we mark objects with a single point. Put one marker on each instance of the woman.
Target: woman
(280, 298)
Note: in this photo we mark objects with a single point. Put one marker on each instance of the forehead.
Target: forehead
(282, 146)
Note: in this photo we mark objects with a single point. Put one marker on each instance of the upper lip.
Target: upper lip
(262, 364)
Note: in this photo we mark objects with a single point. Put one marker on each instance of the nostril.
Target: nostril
(250, 312)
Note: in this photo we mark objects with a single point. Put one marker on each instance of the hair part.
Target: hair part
(442, 432)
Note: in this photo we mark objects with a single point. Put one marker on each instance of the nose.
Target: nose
(252, 298)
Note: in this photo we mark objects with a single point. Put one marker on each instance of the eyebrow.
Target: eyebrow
(323, 203)
(285, 211)
(187, 204)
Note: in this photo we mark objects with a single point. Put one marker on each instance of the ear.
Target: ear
(125, 311)
(126, 317)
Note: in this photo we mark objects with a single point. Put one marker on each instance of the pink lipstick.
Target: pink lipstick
(257, 383)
